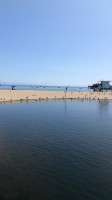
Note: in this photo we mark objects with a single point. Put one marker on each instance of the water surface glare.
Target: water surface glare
(56, 150)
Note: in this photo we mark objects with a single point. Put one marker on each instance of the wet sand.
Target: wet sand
(26, 95)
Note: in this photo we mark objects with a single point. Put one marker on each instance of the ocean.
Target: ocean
(44, 88)
(56, 150)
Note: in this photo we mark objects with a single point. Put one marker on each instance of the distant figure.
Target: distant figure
(66, 89)
(13, 87)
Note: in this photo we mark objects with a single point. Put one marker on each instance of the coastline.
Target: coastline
(32, 95)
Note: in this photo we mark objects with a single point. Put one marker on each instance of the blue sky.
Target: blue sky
(57, 42)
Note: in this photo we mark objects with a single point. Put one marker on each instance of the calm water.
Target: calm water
(56, 151)
(44, 88)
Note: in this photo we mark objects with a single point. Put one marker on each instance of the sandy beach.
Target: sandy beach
(28, 95)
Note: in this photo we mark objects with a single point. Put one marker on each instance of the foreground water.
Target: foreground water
(56, 150)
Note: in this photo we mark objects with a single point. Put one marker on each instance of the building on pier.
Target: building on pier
(100, 86)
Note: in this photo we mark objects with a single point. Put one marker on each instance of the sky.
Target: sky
(55, 42)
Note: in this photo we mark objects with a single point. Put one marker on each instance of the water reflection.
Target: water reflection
(104, 106)
(56, 150)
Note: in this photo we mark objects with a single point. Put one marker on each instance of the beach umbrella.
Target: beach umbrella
(13, 86)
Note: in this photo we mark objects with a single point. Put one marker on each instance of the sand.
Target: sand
(28, 95)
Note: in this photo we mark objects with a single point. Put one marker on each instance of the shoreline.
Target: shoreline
(32, 95)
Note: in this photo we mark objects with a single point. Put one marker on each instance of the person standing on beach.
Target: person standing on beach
(65, 92)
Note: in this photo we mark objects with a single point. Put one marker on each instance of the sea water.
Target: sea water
(44, 88)
(56, 150)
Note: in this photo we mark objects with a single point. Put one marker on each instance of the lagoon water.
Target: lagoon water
(56, 150)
